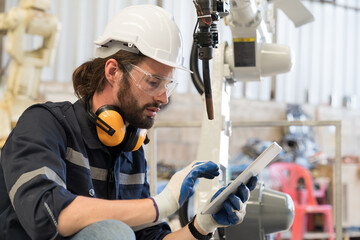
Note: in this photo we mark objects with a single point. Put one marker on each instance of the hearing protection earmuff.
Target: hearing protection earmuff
(113, 132)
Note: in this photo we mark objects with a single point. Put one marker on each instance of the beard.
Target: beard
(131, 110)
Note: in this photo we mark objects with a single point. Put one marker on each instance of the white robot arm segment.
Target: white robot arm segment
(252, 54)
(295, 11)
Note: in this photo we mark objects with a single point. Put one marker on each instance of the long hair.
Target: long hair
(89, 77)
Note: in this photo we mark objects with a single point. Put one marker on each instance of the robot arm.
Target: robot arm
(21, 21)
(205, 39)
(252, 54)
(49, 32)
(295, 11)
(13, 25)
(3, 27)
(9, 21)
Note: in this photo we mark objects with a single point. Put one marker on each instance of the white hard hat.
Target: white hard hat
(146, 28)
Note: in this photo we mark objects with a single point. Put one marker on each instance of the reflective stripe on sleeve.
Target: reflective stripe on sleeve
(127, 179)
(26, 177)
(77, 158)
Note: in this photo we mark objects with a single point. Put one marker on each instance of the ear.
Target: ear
(112, 71)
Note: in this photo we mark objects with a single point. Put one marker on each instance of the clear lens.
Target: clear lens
(151, 84)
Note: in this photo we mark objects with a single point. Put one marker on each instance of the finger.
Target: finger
(243, 193)
(207, 170)
(251, 184)
(210, 167)
(240, 214)
(209, 164)
(208, 175)
(217, 193)
(231, 215)
(198, 173)
(235, 201)
(196, 164)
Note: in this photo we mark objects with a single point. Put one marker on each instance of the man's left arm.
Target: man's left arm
(232, 212)
(179, 189)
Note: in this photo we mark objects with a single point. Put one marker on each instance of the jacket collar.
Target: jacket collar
(88, 128)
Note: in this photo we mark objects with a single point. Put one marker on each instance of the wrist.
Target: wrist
(166, 204)
(156, 209)
(196, 225)
(197, 232)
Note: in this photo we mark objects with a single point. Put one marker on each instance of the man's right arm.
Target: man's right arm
(35, 173)
(83, 211)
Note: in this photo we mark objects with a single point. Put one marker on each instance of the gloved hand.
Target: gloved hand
(181, 187)
(233, 210)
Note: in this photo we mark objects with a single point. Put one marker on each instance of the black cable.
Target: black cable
(205, 39)
(194, 66)
(208, 91)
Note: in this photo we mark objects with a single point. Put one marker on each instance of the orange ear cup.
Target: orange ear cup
(141, 139)
(113, 119)
(112, 132)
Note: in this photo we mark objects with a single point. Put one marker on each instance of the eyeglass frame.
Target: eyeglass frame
(158, 90)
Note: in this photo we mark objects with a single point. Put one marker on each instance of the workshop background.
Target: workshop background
(324, 85)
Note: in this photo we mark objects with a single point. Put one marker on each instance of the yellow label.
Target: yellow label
(244, 39)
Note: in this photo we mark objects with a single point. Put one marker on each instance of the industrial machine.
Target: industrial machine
(267, 212)
(249, 57)
(29, 21)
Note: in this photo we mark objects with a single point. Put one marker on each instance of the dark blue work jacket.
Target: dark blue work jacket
(53, 155)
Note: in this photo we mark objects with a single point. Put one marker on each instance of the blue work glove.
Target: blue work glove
(181, 187)
(233, 210)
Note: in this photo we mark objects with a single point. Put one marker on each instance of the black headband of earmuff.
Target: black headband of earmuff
(94, 118)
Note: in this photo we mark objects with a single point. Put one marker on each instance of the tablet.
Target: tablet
(252, 170)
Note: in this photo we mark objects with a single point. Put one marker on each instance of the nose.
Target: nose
(162, 98)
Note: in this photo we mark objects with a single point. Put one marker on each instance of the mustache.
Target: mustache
(157, 105)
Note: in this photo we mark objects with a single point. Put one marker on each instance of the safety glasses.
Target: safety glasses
(151, 84)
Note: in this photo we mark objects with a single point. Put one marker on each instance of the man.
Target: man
(78, 170)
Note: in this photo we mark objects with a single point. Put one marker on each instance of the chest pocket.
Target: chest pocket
(78, 178)
(131, 185)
